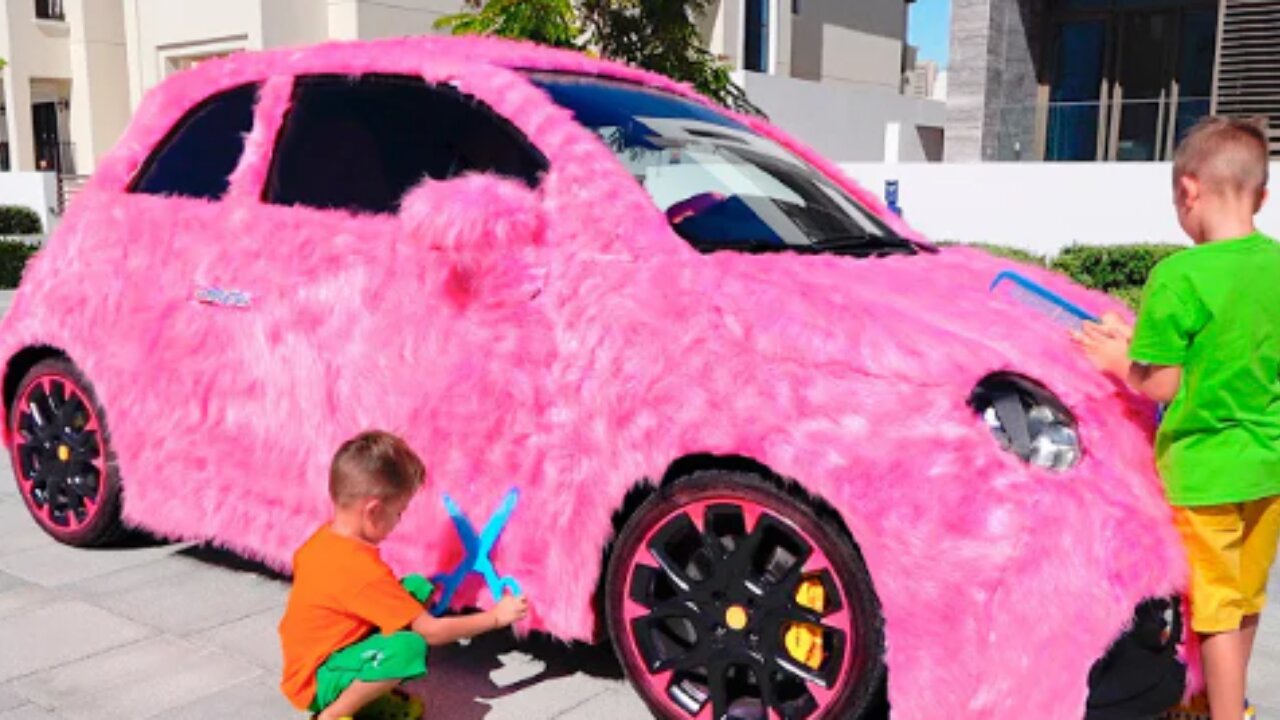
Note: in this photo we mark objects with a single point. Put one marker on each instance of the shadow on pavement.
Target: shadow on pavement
(460, 678)
(228, 560)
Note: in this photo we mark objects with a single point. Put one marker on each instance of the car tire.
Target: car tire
(703, 598)
(61, 454)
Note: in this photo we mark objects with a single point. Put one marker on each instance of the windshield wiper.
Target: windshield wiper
(865, 242)
(759, 245)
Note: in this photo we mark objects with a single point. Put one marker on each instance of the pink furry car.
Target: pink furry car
(791, 456)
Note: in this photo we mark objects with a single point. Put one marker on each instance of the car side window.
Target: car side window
(198, 155)
(361, 143)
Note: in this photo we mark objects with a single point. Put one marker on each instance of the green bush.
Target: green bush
(1111, 267)
(13, 258)
(19, 220)
(1011, 253)
(1131, 296)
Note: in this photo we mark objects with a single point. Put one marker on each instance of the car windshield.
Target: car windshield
(721, 185)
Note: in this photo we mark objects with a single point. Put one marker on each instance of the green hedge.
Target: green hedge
(19, 220)
(1022, 256)
(1112, 267)
(13, 258)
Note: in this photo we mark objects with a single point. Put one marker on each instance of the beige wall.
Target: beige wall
(35, 50)
(100, 90)
(163, 34)
(857, 42)
(366, 19)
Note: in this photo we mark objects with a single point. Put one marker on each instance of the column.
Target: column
(100, 88)
(17, 103)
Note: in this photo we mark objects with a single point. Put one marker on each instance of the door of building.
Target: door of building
(44, 118)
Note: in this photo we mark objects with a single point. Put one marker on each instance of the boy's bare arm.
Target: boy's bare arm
(1158, 382)
(442, 631)
(1107, 345)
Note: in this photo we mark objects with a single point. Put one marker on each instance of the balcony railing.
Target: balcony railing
(49, 10)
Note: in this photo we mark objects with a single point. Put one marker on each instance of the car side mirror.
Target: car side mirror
(476, 213)
(490, 227)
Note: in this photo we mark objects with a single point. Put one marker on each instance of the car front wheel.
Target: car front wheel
(58, 443)
(730, 599)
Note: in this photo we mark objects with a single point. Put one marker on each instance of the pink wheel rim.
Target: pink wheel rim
(724, 555)
(58, 454)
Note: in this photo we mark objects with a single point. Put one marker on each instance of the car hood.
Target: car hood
(927, 319)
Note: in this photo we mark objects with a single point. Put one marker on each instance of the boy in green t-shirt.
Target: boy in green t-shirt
(1207, 342)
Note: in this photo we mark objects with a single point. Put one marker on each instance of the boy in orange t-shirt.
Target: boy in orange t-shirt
(351, 632)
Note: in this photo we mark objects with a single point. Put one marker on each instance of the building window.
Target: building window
(360, 144)
(49, 10)
(756, 45)
(1128, 79)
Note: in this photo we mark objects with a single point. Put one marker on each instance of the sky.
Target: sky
(930, 29)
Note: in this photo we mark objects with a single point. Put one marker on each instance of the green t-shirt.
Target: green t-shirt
(1214, 310)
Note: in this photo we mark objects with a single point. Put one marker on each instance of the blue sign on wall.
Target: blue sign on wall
(891, 196)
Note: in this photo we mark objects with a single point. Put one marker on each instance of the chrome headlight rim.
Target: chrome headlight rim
(1028, 421)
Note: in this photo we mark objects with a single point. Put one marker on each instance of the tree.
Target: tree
(658, 35)
(550, 22)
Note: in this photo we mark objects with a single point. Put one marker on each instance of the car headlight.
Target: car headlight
(1028, 421)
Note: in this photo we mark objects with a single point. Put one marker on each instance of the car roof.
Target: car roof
(401, 55)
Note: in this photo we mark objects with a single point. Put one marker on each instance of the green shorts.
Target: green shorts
(377, 658)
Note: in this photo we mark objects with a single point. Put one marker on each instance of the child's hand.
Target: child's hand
(1117, 326)
(1106, 344)
(510, 609)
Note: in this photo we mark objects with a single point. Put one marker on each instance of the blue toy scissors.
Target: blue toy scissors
(476, 548)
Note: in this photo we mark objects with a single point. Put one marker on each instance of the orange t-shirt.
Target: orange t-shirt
(342, 592)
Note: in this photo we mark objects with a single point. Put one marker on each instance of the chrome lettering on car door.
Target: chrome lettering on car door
(220, 297)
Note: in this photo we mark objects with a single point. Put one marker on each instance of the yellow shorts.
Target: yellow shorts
(1231, 549)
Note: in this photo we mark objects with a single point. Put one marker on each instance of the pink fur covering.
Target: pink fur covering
(566, 341)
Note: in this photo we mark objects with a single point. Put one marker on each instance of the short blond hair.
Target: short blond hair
(374, 464)
(1227, 155)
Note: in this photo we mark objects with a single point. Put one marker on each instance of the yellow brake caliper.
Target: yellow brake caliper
(804, 641)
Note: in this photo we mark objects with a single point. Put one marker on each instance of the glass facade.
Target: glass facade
(1126, 78)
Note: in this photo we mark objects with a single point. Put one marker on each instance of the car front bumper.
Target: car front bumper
(1141, 676)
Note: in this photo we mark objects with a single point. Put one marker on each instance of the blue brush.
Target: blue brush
(1033, 294)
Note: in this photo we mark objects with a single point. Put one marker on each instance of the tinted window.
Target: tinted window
(199, 154)
(361, 143)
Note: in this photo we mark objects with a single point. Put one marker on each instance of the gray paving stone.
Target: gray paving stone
(53, 564)
(254, 699)
(9, 698)
(20, 531)
(253, 638)
(9, 582)
(618, 702)
(181, 596)
(551, 698)
(49, 635)
(24, 597)
(28, 712)
(142, 680)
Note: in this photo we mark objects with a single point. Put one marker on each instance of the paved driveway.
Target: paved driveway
(186, 633)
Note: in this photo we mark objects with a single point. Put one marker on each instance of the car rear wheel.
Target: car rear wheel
(729, 599)
(62, 460)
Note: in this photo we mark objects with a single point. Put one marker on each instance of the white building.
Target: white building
(828, 70)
